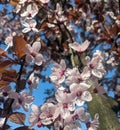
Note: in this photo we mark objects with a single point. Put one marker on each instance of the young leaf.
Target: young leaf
(19, 45)
(17, 118)
(5, 64)
(3, 53)
(3, 84)
(9, 75)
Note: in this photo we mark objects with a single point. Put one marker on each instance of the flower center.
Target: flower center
(33, 54)
(20, 100)
(75, 117)
(29, 82)
(78, 80)
(49, 115)
(91, 66)
(79, 93)
(65, 105)
(62, 72)
(39, 124)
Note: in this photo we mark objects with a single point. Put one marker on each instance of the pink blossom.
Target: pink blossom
(34, 116)
(81, 115)
(23, 99)
(58, 74)
(71, 121)
(65, 100)
(31, 11)
(93, 125)
(48, 113)
(33, 80)
(95, 65)
(74, 76)
(30, 25)
(80, 95)
(59, 13)
(79, 47)
(32, 53)
(9, 40)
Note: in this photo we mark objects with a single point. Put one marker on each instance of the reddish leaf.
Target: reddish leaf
(17, 118)
(118, 17)
(113, 30)
(48, 33)
(3, 53)
(5, 64)
(19, 44)
(44, 26)
(3, 84)
(9, 75)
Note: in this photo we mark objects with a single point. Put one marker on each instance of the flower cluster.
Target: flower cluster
(72, 89)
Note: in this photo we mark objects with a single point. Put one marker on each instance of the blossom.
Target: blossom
(59, 13)
(93, 125)
(95, 65)
(30, 25)
(65, 100)
(80, 94)
(22, 99)
(34, 116)
(48, 113)
(71, 121)
(74, 76)
(33, 80)
(31, 11)
(9, 40)
(32, 53)
(58, 74)
(79, 47)
(81, 115)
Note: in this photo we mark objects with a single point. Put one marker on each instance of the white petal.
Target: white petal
(35, 109)
(97, 74)
(28, 58)
(75, 46)
(28, 48)
(32, 23)
(38, 59)
(26, 24)
(63, 64)
(36, 46)
(85, 85)
(79, 102)
(29, 7)
(35, 30)
(24, 14)
(85, 45)
(86, 96)
(25, 30)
